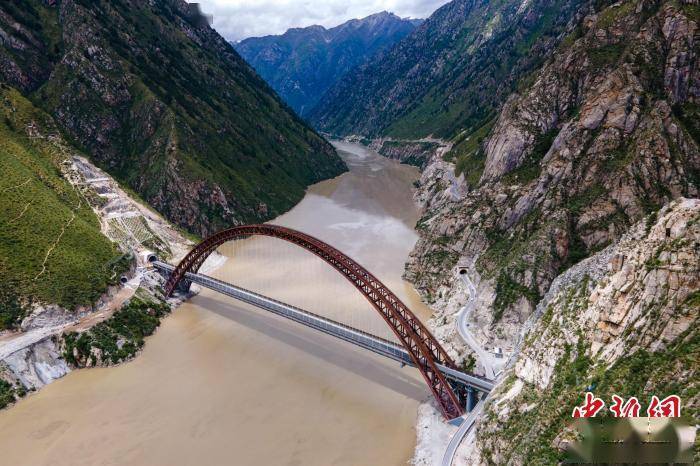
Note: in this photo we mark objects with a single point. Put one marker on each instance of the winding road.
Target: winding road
(486, 359)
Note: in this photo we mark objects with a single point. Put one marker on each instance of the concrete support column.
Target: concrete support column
(472, 398)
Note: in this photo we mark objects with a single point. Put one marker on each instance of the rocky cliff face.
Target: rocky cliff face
(412, 152)
(605, 134)
(629, 327)
(161, 101)
(303, 63)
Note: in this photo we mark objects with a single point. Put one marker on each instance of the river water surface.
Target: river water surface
(222, 383)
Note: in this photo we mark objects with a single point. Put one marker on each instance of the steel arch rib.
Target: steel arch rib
(424, 349)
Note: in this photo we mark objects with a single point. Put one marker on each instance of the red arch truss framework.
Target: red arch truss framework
(424, 349)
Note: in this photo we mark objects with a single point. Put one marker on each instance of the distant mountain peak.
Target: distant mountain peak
(303, 62)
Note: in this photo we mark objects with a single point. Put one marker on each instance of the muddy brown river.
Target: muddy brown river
(221, 383)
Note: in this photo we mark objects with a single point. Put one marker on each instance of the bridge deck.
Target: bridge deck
(344, 332)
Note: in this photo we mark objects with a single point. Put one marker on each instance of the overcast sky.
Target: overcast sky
(239, 19)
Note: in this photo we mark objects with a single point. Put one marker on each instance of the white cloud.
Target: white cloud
(238, 19)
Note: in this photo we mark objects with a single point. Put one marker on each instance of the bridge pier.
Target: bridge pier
(182, 287)
(472, 398)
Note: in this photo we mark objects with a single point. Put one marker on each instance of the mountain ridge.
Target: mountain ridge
(161, 101)
(303, 62)
(450, 74)
(574, 211)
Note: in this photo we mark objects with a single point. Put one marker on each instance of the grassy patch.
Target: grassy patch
(11, 309)
(607, 55)
(118, 338)
(441, 257)
(530, 168)
(689, 116)
(468, 153)
(584, 199)
(508, 291)
(691, 11)
(618, 159)
(611, 14)
(51, 247)
(7, 394)
(693, 300)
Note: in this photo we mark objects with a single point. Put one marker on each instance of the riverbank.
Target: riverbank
(457, 307)
(253, 377)
(35, 355)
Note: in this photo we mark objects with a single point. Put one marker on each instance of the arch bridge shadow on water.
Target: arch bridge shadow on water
(340, 354)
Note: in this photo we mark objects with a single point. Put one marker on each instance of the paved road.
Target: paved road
(13, 342)
(464, 428)
(486, 359)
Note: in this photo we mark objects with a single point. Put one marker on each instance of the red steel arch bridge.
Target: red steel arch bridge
(454, 391)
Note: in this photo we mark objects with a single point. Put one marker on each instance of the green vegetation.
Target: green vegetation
(468, 153)
(577, 248)
(302, 64)
(508, 291)
(609, 15)
(530, 168)
(607, 55)
(693, 300)
(584, 199)
(420, 151)
(119, 337)
(11, 309)
(508, 260)
(174, 112)
(444, 258)
(640, 373)
(646, 373)
(7, 394)
(468, 364)
(691, 11)
(473, 79)
(51, 248)
(618, 159)
(689, 116)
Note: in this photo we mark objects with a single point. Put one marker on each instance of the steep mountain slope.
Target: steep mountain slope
(451, 74)
(69, 237)
(51, 247)
(567, 210)
(605, 134)
(303, 63)
(627, 325)
(162, 102)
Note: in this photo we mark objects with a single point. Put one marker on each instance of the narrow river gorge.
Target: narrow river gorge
(222, 383)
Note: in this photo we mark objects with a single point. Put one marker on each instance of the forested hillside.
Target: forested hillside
(160, 100)
(51, 246)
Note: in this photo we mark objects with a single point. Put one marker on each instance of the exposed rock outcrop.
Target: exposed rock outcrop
(416, 153)
(36, 365)
(605, 134)
(624, 321)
